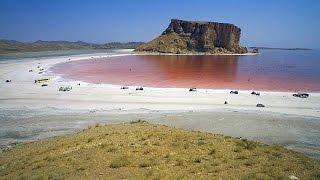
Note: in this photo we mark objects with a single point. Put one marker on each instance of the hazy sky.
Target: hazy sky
(275, 23)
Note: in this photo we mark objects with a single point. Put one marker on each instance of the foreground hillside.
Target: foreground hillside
(9, 46)
(141, 150)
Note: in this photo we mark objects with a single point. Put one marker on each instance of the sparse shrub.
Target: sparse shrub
(147, 151)
(112, 149)
(175, 144)
(156, 143)
(215, 163)
(149, 135)
(97, 125)
(103, 145)
(267, 151)
(277, 154)
(246, 145)
(242, 157)
(37, 166)
(247, 164)
(167, 155)
(201, 142)
(186, 145)
(147, 163)
(316, 175)
(49, 158)
(237, 149)
(119, 162)
(150, 173)
(212, 152)
(179, 162)
(80, 168)
(90, 139)
(197, 160)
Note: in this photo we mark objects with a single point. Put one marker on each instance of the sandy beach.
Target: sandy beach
(285, 120)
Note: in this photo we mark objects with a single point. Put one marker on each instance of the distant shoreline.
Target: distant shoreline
(271, 48)
(192, 54)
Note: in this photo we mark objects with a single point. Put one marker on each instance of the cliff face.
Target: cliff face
(193, 36)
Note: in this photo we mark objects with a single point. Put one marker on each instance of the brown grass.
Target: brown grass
(141, 150)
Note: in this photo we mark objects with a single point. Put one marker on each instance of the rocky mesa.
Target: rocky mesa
(196, 37)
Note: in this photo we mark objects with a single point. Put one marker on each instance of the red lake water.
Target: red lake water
(276, 70)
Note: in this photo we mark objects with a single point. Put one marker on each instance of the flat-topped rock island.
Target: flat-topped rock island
(192, 37)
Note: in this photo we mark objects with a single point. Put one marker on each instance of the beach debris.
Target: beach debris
(8, 80)
(193, 89)
(225, 102)
(40, 72)
(41, 69)
(124, 87)
(139, 89)
(234, 92)
(30, 70)
(301, 95)
(242, 139)
(38, 67)
(292, 177)
(260, 105)
(41, 80)
(43, 85)
(67, 88)
(255, 93)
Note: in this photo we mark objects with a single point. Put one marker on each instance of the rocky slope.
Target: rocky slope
(194, 36)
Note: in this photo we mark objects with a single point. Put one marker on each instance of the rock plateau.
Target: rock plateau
(196, 37)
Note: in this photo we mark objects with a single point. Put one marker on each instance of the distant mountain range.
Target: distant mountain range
(11, 46)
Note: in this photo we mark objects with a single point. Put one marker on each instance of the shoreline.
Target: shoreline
(183, 89)
(52, 122)
(11, 69)
(193, 54)
(118, 85)
(101, 100)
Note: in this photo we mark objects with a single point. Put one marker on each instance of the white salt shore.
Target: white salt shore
(23, 94)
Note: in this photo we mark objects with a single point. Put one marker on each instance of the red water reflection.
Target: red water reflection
(215, 72)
